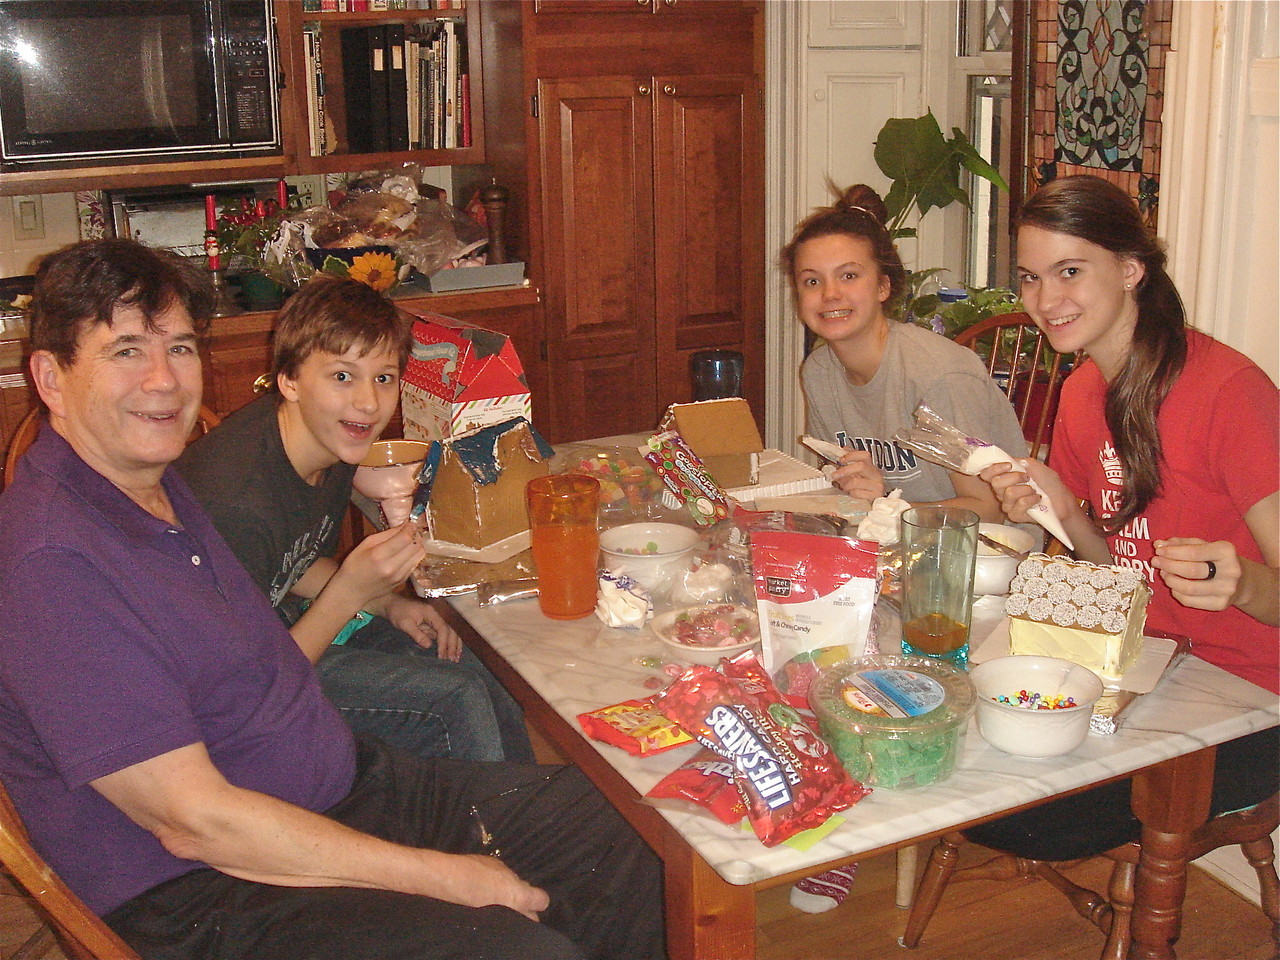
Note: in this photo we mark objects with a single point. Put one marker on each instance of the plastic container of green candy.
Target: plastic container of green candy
(894, 722)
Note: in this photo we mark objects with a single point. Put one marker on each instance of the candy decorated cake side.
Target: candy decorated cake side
(1075, 610)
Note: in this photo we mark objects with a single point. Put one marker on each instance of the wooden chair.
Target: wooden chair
(1251, 829)
(1018, 355)
(81, 933)
(25, 435)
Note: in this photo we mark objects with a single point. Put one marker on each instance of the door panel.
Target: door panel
(597, 202)
(708, 205)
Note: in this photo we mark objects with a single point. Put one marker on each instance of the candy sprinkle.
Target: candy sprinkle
(1036, 701)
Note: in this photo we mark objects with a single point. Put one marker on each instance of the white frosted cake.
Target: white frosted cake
(1078, 611)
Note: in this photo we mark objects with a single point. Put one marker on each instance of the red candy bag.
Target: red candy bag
(707, 780)
(634, 725)
(788, 777)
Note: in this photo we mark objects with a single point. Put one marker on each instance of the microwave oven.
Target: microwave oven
(87, 81)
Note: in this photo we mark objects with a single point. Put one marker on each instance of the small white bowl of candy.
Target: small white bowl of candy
(652, 554)
(704, 634)
(1033, 706)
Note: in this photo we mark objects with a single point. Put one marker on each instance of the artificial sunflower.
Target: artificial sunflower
(378, 270)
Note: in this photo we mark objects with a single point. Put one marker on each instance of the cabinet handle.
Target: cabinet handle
(669, 89)
(669, 3)
(644, 90)
(644, 3)
(263, 383)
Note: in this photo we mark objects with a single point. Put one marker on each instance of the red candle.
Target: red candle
(210, 212)
(282, 193)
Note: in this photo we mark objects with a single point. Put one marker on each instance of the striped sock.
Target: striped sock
(825, 891)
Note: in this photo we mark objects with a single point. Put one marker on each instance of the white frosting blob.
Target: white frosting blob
(883, 522)
(621, 602)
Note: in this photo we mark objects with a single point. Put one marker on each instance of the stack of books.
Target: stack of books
(405, 86)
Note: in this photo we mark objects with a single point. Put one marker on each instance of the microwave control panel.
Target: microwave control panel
(250, 86)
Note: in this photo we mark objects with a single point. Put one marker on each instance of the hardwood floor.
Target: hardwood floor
(1015, 920)
(1008, 920)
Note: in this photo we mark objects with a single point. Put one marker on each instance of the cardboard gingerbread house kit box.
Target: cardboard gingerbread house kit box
(724, 435)
(458, 378)
(472, 486)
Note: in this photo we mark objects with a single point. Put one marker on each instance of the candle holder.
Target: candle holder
(225, 302)
(225, 305)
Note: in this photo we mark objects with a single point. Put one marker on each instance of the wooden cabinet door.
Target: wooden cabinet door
(708, 187)
(597, 202)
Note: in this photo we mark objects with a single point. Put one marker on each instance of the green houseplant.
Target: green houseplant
(924, 168)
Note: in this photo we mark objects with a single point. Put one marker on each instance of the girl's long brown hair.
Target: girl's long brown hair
(1095, 210)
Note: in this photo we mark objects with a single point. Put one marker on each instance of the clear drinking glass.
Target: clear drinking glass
(566, 545)
(939, 549)
(717, 374)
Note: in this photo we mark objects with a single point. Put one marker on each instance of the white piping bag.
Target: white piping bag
(940, 442)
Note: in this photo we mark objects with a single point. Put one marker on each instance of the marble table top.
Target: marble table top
(581, 665)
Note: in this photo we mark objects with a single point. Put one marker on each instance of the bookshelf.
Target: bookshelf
(378, 88)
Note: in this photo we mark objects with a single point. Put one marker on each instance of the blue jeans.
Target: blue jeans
(387, 686)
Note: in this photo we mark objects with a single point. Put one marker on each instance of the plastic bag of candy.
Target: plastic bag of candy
(814, 596)
(634, 725)
(705, 779)
(788, 777)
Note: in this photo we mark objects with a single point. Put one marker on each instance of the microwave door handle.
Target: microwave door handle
(218, 56)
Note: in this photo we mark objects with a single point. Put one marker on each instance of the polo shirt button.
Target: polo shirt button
(195, 560)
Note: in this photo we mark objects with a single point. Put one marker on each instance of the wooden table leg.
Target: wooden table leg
(1172, 801)
(724, 914)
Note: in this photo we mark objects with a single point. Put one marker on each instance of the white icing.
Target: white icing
(1041, 513)
(883, 522)
(621, 602)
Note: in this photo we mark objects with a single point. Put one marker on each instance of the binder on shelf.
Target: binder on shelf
(364, 76)
(397, 89)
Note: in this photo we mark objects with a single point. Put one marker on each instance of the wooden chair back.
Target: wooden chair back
(29, 427)
(1018, 355)
(80, 932)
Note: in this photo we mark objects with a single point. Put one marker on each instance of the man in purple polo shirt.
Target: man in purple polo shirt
(167, 743)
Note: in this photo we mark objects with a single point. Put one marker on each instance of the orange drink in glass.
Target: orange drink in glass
(566, 546)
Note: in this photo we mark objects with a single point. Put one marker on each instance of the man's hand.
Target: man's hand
(481, 881)
(420, 621)
(858, 476)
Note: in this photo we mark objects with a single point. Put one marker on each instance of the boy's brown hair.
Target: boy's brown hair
(332, 315)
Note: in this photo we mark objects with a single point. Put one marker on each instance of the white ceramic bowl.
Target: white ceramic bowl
(994, 570)
(650, 553)
(1034, 733)
(665, 626)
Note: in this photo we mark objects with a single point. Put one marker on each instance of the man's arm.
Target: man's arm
(183, 799)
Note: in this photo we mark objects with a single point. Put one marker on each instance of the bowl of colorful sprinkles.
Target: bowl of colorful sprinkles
(894, 722)
(1034, 706)
(704, 634)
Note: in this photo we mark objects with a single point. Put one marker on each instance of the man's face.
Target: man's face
(337, 406)
(129, 400)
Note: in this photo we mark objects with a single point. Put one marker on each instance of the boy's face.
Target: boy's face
(337, 405)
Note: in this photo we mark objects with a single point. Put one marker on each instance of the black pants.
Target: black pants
(1086, 824)
(548, 823)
